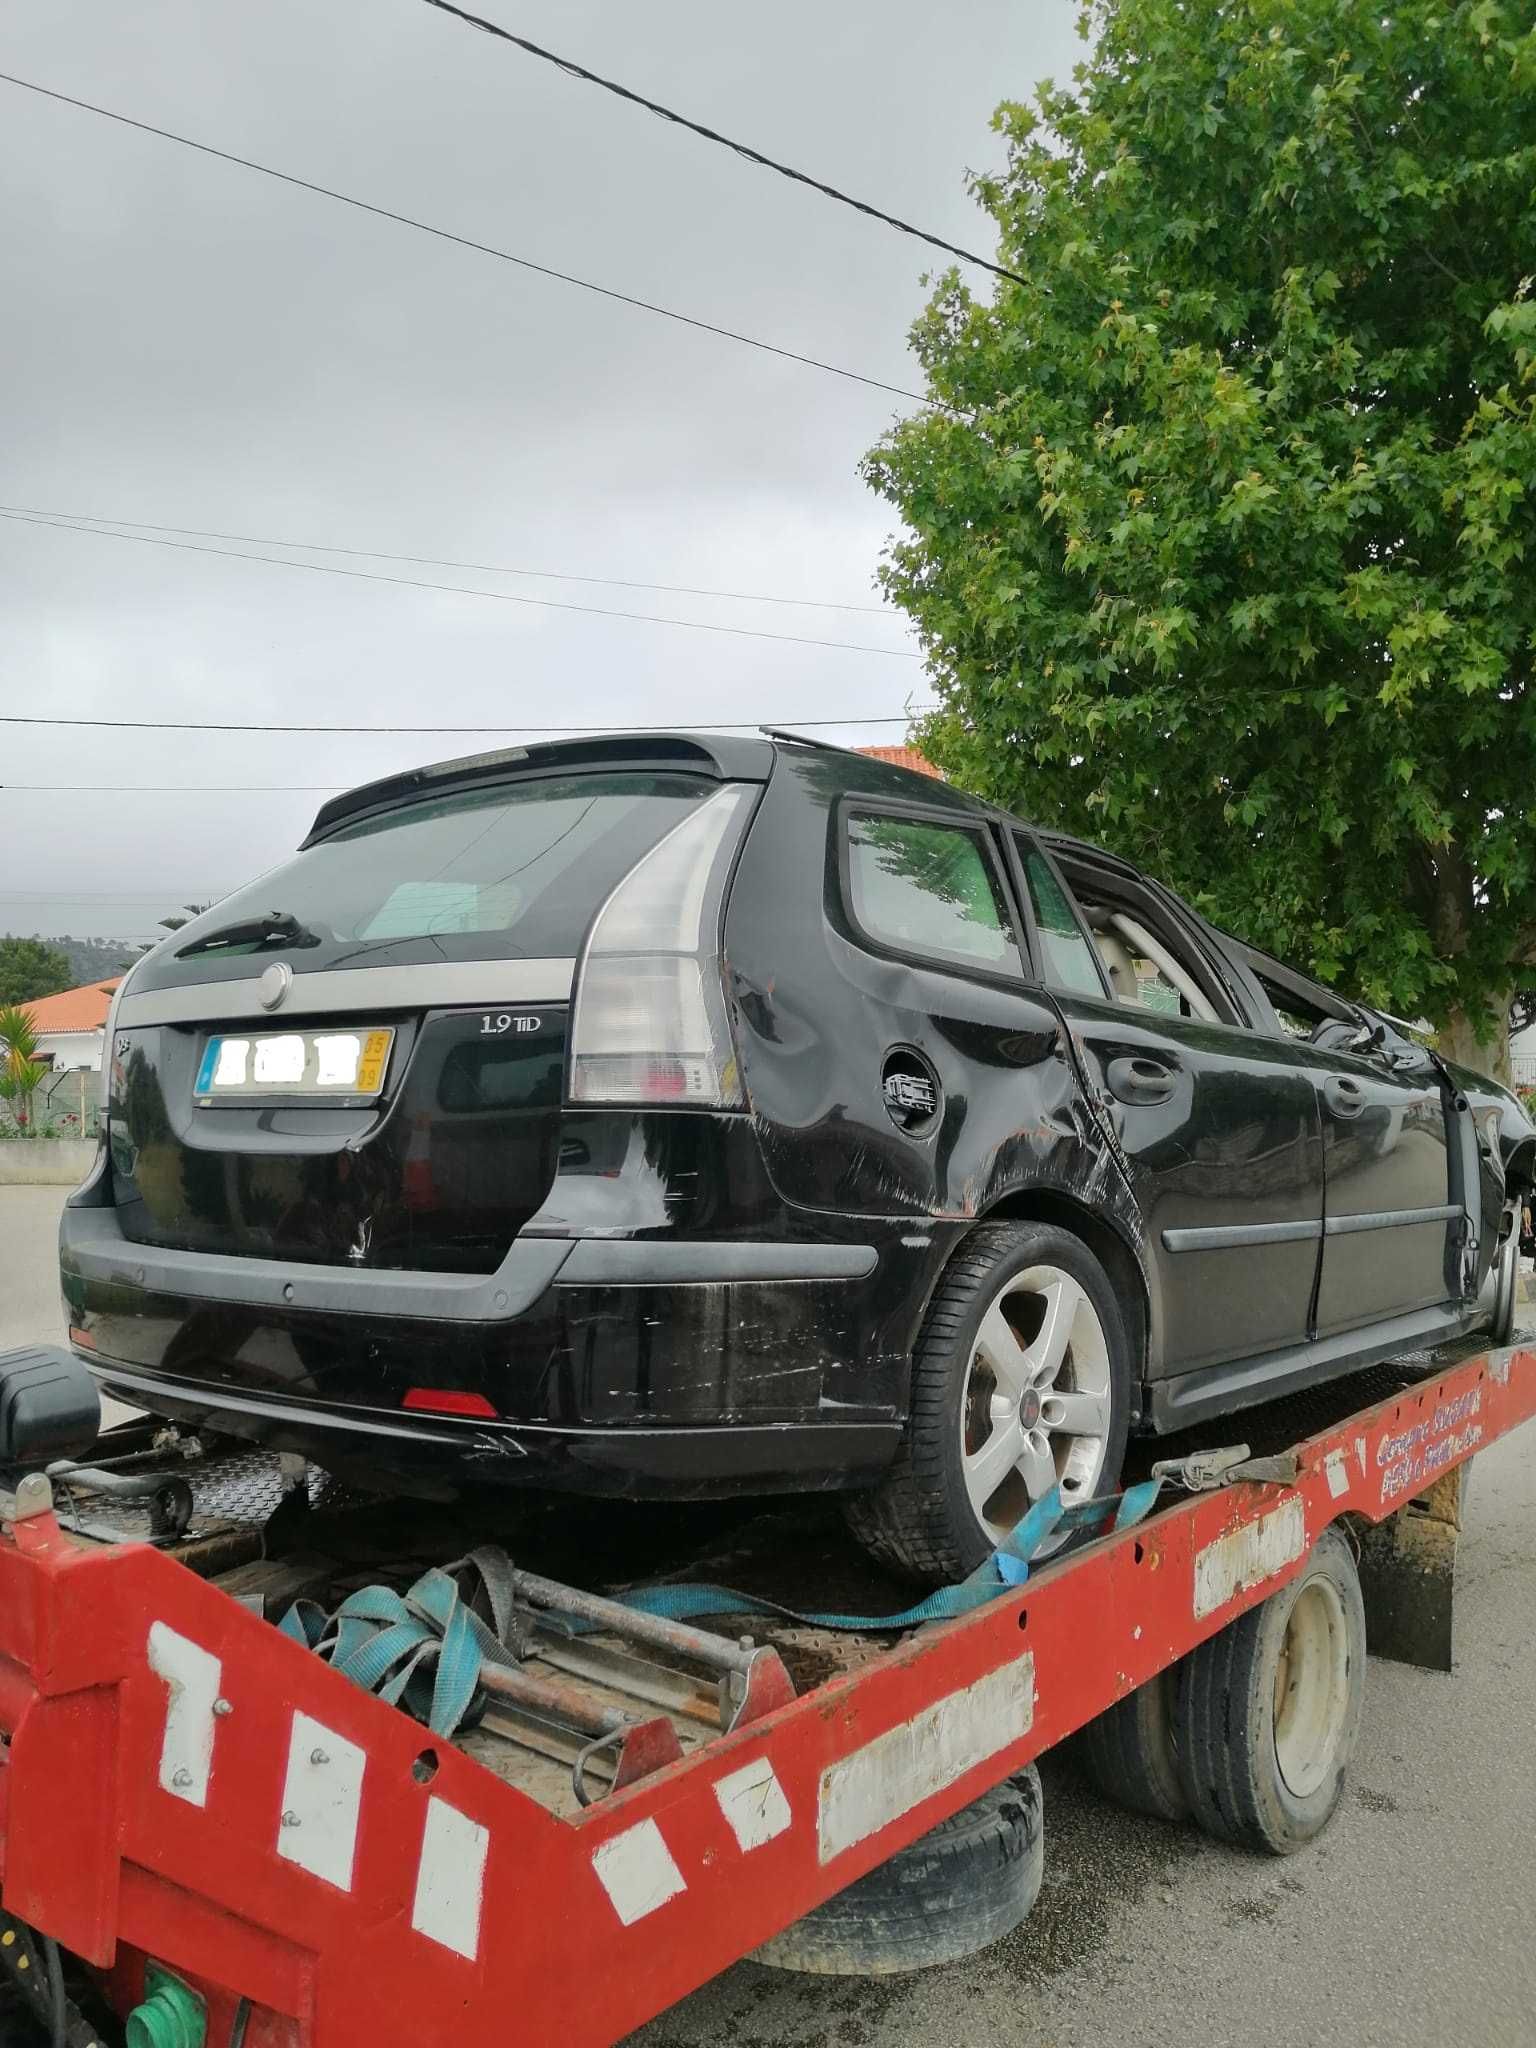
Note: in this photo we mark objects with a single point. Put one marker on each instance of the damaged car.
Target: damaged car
(678, 1116)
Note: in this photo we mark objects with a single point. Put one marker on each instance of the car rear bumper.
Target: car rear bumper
(659, 1367)
(434, 1455)
(93, 1249)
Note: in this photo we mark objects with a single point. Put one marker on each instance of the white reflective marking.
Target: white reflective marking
(864, 1792)
(637, 1872)
(192, 1676)
(450, 1879)
(317, 1827)
(338, 1054)
(1246, 1557)
(1336, 1465)
(230, 1070)
(279, 1059)
(753, 1802)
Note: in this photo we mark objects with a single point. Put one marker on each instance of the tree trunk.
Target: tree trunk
(1457, 1039)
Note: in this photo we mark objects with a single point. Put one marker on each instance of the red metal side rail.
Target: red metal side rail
(183, 1782)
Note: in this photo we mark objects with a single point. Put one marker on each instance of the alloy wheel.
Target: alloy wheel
(1038, 1404)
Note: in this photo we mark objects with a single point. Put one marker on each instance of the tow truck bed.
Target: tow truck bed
(181, 1782)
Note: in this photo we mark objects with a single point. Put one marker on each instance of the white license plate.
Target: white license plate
(314, 1063)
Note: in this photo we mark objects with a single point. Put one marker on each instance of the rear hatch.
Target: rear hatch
(359, 1060)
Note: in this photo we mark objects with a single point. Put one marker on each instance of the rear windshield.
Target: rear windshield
(497, 873)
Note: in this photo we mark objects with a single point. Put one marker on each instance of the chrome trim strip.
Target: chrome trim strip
(1391, 1219)
(1220, 1237)
(497, 984)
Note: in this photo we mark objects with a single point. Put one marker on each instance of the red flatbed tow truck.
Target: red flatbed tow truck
(234, 1843)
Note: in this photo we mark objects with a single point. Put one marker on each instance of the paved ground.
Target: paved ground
(1414, 1920)
(30, 1309)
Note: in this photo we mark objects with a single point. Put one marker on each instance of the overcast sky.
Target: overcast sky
(188, 344)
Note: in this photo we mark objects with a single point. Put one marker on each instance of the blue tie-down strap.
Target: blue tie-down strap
(1007, 1567)
(423, 1649)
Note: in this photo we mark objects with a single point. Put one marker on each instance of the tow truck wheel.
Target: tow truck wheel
(1268, 1712)
(1130, 1753)
(964, 1884)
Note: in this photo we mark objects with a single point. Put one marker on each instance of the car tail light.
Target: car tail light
(448, 1401)
(649, 1022)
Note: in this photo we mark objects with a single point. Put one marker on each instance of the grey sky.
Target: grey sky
(188, 343)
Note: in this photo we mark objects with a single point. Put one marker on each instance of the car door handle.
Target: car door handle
(1140, 1080)
(1343, 1096)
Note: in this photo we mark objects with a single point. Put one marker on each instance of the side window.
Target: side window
(1066, 960)
(1148, 962)
(930, 889)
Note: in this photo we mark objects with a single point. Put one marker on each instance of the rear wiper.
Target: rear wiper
(278, 928)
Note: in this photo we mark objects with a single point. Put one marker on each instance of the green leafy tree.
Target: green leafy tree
(30, 968)
(1221, 529)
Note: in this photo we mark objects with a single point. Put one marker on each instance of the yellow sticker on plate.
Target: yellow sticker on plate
(370, 1068)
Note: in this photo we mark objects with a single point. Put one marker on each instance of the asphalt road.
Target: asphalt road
(1413, 1920)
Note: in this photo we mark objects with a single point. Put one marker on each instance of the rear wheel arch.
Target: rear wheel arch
(1103, 1238)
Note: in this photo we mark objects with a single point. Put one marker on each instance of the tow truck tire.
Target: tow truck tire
(1267, 1713)
(1130, 1753)
(963, 1885)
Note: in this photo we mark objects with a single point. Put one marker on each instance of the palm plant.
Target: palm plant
(21, 1072)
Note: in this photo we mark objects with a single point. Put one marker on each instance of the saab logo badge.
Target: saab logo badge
(911, 1090)
(273, 985)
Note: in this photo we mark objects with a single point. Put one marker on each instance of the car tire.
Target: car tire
(1268, 1712)
(1130, 1753)
(963, 1885)
(1500, 1300)
(923, 1520)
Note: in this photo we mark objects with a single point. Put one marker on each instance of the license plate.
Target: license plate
(312, 1063)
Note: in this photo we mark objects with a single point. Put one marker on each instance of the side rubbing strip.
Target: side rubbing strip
(322, 1794)
(1390, 1219)
(450, 1879)
(192, 1676)
(1220, 1237)
(866, 1791)
(637, 1871)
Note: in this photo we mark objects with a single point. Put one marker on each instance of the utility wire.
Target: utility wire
(504, 731)
(192, 547)
(315, 547)
(463, 241)
(742, 149)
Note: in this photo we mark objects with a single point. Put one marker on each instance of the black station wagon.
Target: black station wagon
(684, 1116)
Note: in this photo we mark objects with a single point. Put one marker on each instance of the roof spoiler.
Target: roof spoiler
(723, 758)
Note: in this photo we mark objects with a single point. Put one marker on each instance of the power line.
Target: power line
(192, 547)
(463, 241)
(504, 731)
(315, 547)
(742, 149)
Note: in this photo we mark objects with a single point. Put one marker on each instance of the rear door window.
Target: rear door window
(1066, 958)
(505, 871)
(931, 889)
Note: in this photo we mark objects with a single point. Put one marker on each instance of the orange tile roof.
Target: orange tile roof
(74, 1009)
(904, 757)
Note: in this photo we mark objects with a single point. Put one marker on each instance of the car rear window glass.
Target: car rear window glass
(929, 889)
(506, 871)
(1067, 958)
